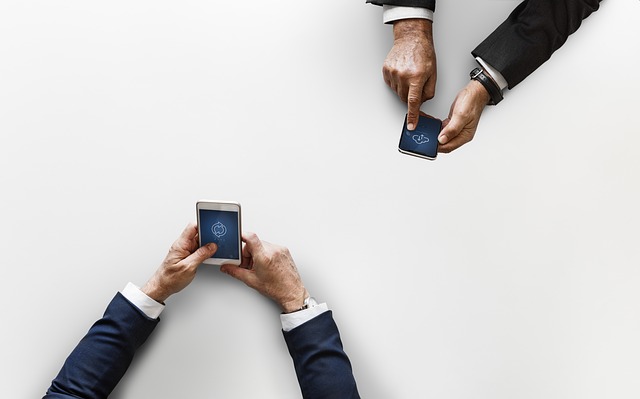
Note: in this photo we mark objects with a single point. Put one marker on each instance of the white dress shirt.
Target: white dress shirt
(152, 309)
(394, 13)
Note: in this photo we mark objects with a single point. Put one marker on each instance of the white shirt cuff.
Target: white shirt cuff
(296, 319)
(495, 74)
(395, 13)
(139, 299)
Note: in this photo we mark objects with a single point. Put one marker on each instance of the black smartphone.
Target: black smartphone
(423, 141)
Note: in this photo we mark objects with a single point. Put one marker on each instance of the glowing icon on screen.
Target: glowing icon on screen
(219, 229)
(420, 139)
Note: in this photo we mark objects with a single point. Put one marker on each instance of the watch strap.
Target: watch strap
(492, 88)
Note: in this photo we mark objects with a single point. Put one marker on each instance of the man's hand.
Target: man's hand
(179, 267)
(410, 66)
(270, 270)
(464, 116)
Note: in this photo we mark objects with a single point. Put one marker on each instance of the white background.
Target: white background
(507, 269)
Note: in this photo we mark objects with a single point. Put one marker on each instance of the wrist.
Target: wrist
(479, 92)
(153, 291)
(494, 92)
(295, 304)
(412, 27)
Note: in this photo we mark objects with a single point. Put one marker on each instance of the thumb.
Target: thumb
(451, 129)
(201, 254)
(246, 276)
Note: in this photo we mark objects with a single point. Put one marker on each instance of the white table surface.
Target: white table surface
(507, 269)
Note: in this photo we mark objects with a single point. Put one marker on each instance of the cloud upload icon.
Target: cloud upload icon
(421, 139)
(219, 229)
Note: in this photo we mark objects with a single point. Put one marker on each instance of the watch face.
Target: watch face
(310, 302)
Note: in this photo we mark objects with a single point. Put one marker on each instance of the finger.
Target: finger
(202, 253)
(246, 260)
(429, 89)
(393, 84)
(195, 242)
(251, 248)
(452, 128)
(188, 234)
(246, 276)
(455, 143)
(252, 242)
(414, 100)
(386, 76)
(392, 81)
(403, 91)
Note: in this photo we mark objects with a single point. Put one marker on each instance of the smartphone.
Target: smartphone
(423, 141)
(219, 222)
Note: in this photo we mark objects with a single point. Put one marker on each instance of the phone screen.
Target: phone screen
(423, 141)
(221, 227)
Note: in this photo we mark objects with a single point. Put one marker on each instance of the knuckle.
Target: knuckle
(202, 251)
(286, 252)
(180, 267)
(413, 99)
(429, 94)
(463, 115)
(282, 251)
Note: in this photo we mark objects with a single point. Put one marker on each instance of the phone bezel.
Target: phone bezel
(216, 205)
(416, 154)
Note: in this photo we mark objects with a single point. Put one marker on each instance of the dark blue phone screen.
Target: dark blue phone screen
(222, 228)
(424, 139)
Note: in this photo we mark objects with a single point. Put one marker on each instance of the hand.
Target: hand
(464, 116)
(410, 66)
(179, 267)
(270, 270)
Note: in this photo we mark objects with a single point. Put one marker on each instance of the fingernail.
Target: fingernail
(442, 139)
(411, 126)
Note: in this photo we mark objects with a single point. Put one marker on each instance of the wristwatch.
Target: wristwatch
(309, 302)
(492, 87)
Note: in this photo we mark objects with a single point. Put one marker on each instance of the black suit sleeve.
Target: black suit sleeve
(430, 4)
(322, 366)
(530, 35)
(97, 364)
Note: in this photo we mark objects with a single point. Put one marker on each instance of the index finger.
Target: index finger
(252, 244)
(414, 100)
(188, 236)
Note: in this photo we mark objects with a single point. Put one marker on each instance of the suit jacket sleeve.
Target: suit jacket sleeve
(97, 364)
(530, 35)
(430, 4)
(322, 366)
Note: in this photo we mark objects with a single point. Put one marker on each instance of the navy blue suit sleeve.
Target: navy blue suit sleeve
(531, 34)
(430, 4)
(97, 364)
(322, 366)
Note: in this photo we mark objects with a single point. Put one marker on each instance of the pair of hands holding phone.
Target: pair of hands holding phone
(410, 70)
(265, 267)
